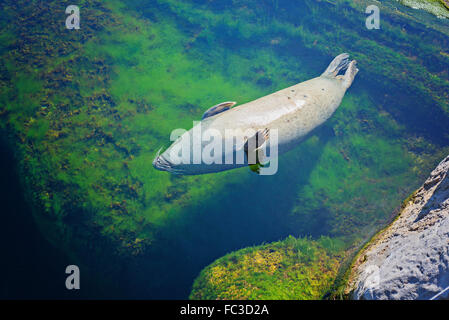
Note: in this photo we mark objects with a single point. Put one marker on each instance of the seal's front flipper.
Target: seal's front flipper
(256, 167)
(219, 108)
(254, 150)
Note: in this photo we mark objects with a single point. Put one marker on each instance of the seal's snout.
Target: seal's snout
(160, 163)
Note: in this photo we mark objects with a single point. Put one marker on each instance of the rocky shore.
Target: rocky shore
(440, 8)
(410, 258)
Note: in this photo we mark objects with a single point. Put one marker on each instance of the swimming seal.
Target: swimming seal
(289, 115)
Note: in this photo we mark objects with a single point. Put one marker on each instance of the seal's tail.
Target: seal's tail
(350, 74)
(340, 64)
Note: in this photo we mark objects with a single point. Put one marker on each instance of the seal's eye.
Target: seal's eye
(178, 139)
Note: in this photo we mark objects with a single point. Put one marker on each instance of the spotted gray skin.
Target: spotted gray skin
(295, 112)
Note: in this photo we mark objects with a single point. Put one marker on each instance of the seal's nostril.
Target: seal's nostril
(161, 163)
(157, 163)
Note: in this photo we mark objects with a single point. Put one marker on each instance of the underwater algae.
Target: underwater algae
(293, 269)
(88, 110)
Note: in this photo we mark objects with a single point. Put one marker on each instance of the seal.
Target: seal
(282, 120)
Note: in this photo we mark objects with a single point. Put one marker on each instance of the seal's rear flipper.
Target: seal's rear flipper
(350, 74)
(255, 154)
(339, 64)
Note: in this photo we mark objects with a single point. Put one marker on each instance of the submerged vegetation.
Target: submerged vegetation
(284, 270)
(88, 110)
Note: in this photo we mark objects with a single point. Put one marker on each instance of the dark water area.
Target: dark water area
(30, 267)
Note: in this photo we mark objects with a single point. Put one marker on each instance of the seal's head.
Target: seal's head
(163, 162)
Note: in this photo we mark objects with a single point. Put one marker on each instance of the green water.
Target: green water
(89, 108)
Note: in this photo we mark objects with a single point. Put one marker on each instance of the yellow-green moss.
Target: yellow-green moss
(289, 269)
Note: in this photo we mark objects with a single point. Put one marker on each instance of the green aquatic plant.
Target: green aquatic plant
(294, 268)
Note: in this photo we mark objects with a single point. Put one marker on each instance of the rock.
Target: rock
(438, 8)
(410, 258)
